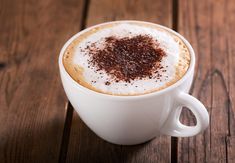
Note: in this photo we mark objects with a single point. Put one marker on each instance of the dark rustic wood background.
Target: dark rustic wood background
(38, 125)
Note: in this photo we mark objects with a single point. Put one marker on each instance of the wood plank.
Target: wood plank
(152, 11)
(32, 101)
(231, 149)
(204, 24)
(230, 21)
(84, 145)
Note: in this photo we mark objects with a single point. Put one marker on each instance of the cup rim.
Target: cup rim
(147, 95)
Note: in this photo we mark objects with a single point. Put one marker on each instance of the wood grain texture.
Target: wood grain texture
(156, 11)
(32, 101)
(230, 39)
(84, 145)
(208, 26)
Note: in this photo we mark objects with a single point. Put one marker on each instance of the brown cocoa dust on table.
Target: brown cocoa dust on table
(128, 58)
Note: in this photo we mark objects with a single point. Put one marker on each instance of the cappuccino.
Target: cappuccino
(126, 58)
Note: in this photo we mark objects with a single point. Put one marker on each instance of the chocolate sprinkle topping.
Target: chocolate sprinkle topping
(107, 83)
(127, 58)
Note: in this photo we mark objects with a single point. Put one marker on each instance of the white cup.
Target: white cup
(129, 120)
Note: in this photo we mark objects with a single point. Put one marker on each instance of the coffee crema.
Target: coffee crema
(126, 58)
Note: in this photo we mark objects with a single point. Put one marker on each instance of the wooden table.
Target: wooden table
(38, 125)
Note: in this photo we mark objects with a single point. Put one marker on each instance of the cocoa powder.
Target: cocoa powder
(128, 58)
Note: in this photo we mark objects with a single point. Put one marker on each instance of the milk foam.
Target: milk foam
(97, 80)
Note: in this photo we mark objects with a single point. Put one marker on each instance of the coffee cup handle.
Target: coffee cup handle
(174, 127)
